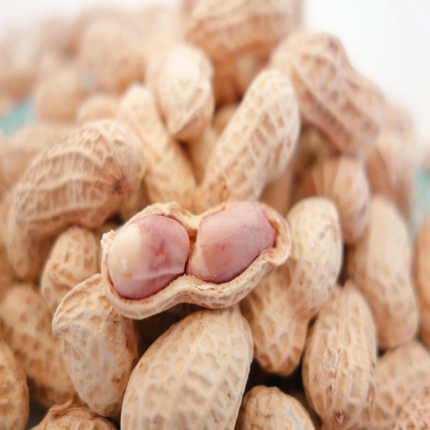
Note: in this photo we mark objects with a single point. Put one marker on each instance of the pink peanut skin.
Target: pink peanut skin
(228, 242)
(147, 255)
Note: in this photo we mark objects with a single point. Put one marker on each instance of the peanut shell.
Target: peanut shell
(6, 273)
(190, 289)
(97, 106)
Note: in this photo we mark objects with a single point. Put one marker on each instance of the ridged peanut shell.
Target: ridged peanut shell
(340, 360)
(271, 409)
(190, 289)
(193, 376)
(6, 273)
(100, 346)
(343, 180)
(380, 266)
(256, 145)
(332, 96)
(14, 401)
(27, 331)
(280, 307)
(71, 416)
(80, 180)
(399, 373)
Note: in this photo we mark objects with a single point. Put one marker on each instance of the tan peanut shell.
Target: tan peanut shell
(100, 346)
(14, 401)
(339, 362)
(222, 116)
(27, 330)
(71, 416)
(185, 92)
(271, 409)
(415, 414)
(343, 180)
(280, 307)
(6, 273)
(74, 258)
(399, 373)
(332, 96)
(169, 176)
(255, 146)
(80, 180)
(224, 29)
(190, 289)
(193, 376)
(97, 106)
(380, 266)
(422, 278)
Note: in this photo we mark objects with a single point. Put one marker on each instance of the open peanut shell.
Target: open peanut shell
(189, 289)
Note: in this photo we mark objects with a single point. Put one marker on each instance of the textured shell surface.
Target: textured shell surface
(190, 289)
(14, 401)
(100, 346)
(399, 373)
(339, 363)
(6, 273)
(73, 259)
(380, 265)
(332, 95)
(255, 146)
(27, 330)
(266, 408)
(211, 351)
(73, 417)
(138, 109)
(280, 307)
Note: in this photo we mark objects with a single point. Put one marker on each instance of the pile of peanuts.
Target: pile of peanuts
(204, 189)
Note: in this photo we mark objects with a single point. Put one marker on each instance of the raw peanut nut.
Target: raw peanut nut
(280, 307)
(255, 146)
(147, 255)
(380, 265)
(415, 414)
(399, 373)
(185, 92)
(339, 362)
(332, 95)
(80, 180)
(189, 289)
(224, 29)
(110, 51)
(391, 169)
(6, 273)
(343, 180)
(229, 241)
(100, 347)
(164, 183)
(193, 376)
(58, 95)
(27, 331)
(74, 257)
(71, 416)
(97, 106)
(271, 409)
(14, 401)
(422, 278)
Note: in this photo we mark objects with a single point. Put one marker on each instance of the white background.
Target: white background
(386, 40)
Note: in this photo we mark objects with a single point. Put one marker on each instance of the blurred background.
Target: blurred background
(386, 40)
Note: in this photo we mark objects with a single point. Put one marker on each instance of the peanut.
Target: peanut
(228, 242)
(147, 255)
(271, 409)
(222, 117)
(74, 257)
(6, 273)
(280, 307)
(97, 106)
(380, 265)
(339, 362)
(332, 96)
(190, 289)
(27, 331)
(14, 402)
(212, 352)
(82, 180)
(100, 347)
(255, 146)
